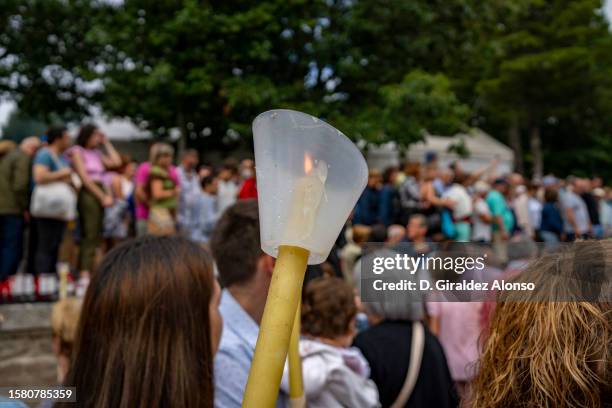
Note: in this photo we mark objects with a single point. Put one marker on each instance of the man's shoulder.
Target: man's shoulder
(232, 342)
(42, 154)
(233, 352)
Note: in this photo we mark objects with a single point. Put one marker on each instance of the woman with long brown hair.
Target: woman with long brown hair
(543, 353)
(149, 328)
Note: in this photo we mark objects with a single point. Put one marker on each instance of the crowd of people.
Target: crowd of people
(484, 206)
(172, 317)
(85, 197)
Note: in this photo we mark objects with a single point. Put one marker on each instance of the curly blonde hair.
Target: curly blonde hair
(546, 354)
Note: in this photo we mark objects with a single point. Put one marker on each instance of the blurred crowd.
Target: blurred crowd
(172, 317)
(484, 206)
(64, 203)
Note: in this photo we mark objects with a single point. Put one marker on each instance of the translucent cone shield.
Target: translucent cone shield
(309, 177)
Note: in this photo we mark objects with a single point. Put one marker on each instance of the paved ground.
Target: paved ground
(26, 355)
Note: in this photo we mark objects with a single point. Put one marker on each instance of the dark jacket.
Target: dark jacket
(367, 210)
(15, 173)
(386, 346)
(551, 219)
(389, 208)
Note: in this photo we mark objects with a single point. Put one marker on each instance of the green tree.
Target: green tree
(44, 56)
(419, 104)
(548, 71)
(380, 51)
(206, 68)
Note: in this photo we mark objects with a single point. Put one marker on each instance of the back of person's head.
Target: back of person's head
(189, 154)
(153, 150)
(378, 233)
(388, 176)
(461, 178)
(395, 233)
(412, 169)
(30, 144)
(228, 170)
(148, 328)
(235, 243)
(417, 226)
(374, 177)
(54, 133)
(533, 187)
(328, 308)
(207, 181)
(162, 150)
(230, 164)
(481, 187)
(360, 234)
(551, 195)
(125, 162)
(546, 353)
(446, 175)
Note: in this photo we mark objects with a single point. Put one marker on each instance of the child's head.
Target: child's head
(361, 234)
(64, 322)
(209, 184)
(329, 310)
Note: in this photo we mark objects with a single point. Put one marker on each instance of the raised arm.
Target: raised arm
(111, 158)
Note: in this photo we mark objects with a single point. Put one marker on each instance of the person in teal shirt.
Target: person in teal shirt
(499, 208)
(503, 219)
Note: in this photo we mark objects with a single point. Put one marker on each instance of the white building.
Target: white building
(481, 148)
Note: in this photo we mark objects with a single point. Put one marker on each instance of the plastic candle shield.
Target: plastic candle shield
(309, 177)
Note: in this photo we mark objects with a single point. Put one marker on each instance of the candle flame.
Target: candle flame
(308, 165)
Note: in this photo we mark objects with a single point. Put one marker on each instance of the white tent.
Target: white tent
(481, 148)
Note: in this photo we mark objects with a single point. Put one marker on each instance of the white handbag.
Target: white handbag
(56, 200)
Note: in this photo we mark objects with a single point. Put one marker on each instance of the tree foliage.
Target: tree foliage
(43, 56)
(381, 70)
(549, 70)
(205, 67)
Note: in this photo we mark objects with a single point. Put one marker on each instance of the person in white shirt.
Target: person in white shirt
(228, 187)
(206, 211)
(190, 189)
(481, 218)
(534, 206)
(461, 207)
(520, 205)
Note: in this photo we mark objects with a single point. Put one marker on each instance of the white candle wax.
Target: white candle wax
(307, 195)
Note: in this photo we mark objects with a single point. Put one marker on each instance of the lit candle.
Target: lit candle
(306, 198)
(290, 214)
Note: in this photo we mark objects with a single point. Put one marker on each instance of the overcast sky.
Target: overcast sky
(7, 107)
